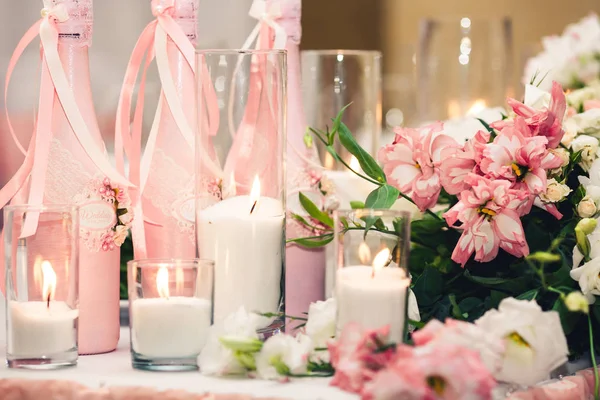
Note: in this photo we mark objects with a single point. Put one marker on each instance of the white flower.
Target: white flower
(594, 239)
(555, 191)
(463, 129)
(587, 123)
(413, 308)
(577, 302)
(215, 359)
(563, 154)
(576, 98)
(126, 218)
(320, 326)
(332, 203)
(589, 149)
(535, 341)
(588, 277)
(282, 355)
(586, 207)
(120, 235)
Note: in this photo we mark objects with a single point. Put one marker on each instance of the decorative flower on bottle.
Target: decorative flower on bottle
(489, 213)
(411, 163)
(534, 339)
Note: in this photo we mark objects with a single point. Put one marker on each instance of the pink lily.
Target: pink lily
(411, 162)
(457, 165)
(489, 213)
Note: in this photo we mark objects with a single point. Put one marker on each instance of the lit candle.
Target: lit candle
(244, 236)
(169, 327)
(372, 295)
(42, 328)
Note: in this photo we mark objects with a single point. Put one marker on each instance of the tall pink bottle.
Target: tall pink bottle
(71, 176)
(305, 268)
(168, 196)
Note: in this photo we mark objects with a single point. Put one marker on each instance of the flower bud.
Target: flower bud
(308, 139)
(586, 207)
(563, 154)
(555, 191)
(587, 225)
(241, 344)
(576, 302)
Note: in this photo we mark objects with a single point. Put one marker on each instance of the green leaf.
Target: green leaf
(357, 205)
(314, 211)
(487, 127)
(383, 197)
(338, 119)
(429, 287)
(367, 163)
(313, 242)
(528, 295)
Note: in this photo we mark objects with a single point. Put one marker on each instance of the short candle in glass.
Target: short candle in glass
(371, 283)
(170, 312)
(41, 248)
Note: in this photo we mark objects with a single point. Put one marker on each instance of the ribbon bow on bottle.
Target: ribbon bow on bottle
(53, 80)
(267, 12)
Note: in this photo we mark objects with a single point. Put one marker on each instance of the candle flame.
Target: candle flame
(354, 164)
(364, 253)
(478, 106)
(48, 281)
(162, 282)
(255, 194)
(381, 260)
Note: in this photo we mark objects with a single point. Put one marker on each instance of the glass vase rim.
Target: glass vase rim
(371, 211)
(60, 207)
(458, 17)
(170, 263)
(343, 52)
(240, 52)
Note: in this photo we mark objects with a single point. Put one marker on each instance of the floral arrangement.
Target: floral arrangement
(509, 213)
(572, 59)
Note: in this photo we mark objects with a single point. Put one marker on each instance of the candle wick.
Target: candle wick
(253, 205)
(48, 301)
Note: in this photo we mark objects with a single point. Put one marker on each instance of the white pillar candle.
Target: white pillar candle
(36, 329)
(247, 249)
(372, 299)
(174, 327)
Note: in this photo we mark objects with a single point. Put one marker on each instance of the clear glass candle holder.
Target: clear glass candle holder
(332, 79)
(41, 250)
(240, 172)
(170, 312)
(372, 280)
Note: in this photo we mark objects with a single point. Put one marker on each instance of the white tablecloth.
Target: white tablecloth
(114, 369)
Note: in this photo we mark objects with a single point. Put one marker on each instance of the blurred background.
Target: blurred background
(440, 46)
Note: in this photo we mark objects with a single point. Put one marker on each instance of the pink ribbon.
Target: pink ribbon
(54, 80)
(153, 44)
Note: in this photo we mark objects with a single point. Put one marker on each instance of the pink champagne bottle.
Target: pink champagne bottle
(305, 268)
(71, 174)
(168, 197)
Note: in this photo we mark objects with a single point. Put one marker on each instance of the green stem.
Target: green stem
(596, 378)
(357, 173)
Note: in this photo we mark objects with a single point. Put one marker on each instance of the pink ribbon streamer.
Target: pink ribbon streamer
(152, 44)
(54, 80)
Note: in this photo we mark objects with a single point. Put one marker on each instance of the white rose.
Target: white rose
(320, 326)
(535, 341)
(282, 355)
(563, 154)
(589, 149)
(570, 128)
(588, 277)
(215, 359)
(555, 191)
(576, 98)
(587, 123)
(586, 207)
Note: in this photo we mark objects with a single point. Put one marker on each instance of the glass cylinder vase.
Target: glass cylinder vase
(240, 178)
(371, 280)
(42, 286)
(332, 79)
(463, 66)
(170, 312)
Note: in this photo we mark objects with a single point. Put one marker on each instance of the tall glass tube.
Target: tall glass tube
(240, 177)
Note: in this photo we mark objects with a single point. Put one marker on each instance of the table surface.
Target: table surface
(114, 369)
